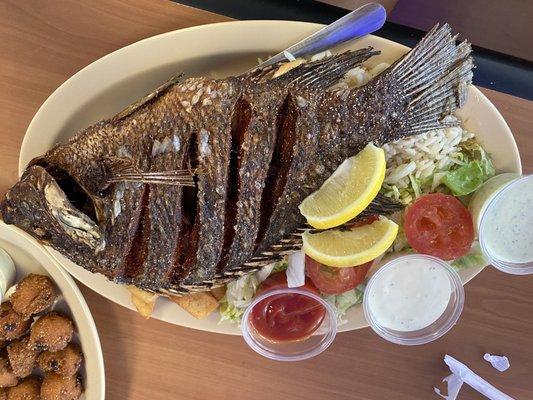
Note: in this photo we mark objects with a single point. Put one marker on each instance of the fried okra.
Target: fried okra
(34, 294)
(22, 357)
(58, 387)
(51, 332)
(64, 362)
(12, 325)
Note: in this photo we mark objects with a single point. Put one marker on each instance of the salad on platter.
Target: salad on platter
(434, 176)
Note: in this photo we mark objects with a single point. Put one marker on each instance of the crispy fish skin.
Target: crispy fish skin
(213, 114)
(165, 217)
(330, 128)
(254, 156)
(273, 106)
(258, 144)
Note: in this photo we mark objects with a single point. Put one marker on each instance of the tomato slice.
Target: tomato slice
(439, 225)
(335, 280)
(330, 280)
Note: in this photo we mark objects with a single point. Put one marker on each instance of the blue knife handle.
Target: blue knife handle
(366, 19)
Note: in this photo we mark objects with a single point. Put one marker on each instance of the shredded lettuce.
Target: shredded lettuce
(471, 167)
(239, 295)
(240, 292)
(295, 273)
(415, 185)
(342, 302)
(280, 266)
(474, 258)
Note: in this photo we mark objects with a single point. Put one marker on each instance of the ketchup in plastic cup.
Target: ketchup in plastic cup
(287, 317)
(288, 324)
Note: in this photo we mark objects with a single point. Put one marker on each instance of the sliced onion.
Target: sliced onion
(296, 270)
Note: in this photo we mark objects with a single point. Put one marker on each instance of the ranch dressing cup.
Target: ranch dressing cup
(482, 197)
(7, 273)
(505, 228)
(413, 299)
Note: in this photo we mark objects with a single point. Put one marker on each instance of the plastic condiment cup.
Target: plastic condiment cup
(299, 350)
(432, 331)
(7, 272)
(483, 195)
(503, 201)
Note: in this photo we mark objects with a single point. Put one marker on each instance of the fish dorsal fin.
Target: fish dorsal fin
(325, 72)
(154, 94)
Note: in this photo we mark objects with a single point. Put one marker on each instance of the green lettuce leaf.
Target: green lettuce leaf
(465, 179)
(473, 151)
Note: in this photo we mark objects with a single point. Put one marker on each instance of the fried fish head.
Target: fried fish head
(40, 207)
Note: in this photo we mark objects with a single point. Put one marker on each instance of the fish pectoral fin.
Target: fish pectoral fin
(122, 169)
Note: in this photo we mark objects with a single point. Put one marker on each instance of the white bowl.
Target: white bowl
(116, 80)
(30, 257)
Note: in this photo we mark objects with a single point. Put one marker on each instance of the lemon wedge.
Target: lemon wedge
(348, 191)
(356, 246)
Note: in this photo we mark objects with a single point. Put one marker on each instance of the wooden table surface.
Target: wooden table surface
(42, 43)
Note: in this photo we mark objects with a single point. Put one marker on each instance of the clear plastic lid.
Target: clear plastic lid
(413, 299)
(505, 229)
(290, 350)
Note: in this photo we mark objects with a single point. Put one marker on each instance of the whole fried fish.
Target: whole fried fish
(244, 151)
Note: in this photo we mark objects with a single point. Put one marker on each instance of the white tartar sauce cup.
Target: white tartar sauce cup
(506, 228)
(413, 299)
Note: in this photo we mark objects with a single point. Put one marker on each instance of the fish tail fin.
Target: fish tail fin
(434, 77)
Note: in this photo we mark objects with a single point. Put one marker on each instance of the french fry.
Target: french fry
(218, 292)
(143, 301)
(199, 305)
